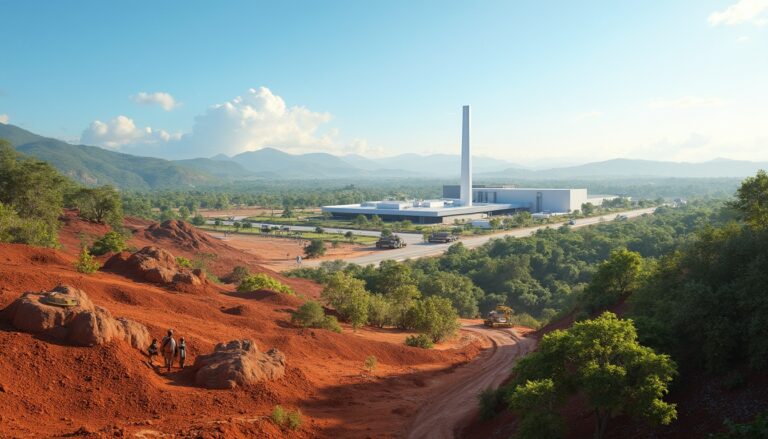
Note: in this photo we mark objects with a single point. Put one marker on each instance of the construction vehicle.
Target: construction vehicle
(501, 317)
(442, 237)
(392, 241)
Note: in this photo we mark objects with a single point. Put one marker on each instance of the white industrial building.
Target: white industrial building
(466, 201)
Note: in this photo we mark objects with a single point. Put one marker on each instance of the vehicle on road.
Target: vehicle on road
(501, 317)
(392, 241)
(571, 223)
(442, 237)
(621, 217)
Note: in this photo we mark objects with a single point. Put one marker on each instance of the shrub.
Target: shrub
(310, 314)
(261, 281)
(294, 419)
(278, 415)
(525, 319)
(85, 263)
(370, 364)
(111, 242)
(315, 249)
(331, 323)
(491, 402)
(238, 274)
(419, 341)
(435, 317)
(183, 262)
(25, 231)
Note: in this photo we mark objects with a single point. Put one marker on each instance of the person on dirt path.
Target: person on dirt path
(152, 352)
(182, 352)
(298, 260)
(169, 349)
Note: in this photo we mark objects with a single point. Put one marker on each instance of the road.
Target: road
(454, 400)
(410, 238)
(417, 248)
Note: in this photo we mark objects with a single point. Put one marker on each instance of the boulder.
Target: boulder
(237, 363)
(78, 322)
(153, 264)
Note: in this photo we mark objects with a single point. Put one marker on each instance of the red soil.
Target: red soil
(49, 389)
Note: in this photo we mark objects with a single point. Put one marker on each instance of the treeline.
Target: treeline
(538, 276)
(702, 304)
(33, 195)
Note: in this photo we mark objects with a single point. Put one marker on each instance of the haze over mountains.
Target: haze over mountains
(96, 166)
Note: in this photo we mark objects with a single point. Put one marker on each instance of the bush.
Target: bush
(491, 402)
(25, 231)
(102, 205)
(238, 274)
(310, 314)
(525, 319)
(85, 263)
(315, 249)
(111, 242)
(278, 415)
(261, 281)
(434, 317)
(183, 262)
(370, 364)
(294, 419)
(419, 341)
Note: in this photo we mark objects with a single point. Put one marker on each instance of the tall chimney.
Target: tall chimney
(466, 161)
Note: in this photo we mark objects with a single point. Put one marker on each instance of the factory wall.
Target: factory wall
(536, 200)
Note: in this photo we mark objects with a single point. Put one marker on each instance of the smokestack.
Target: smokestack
(466, 161)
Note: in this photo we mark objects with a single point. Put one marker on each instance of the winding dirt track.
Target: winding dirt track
(455, 399)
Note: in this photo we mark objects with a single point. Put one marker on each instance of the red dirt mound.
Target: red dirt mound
(182, 234)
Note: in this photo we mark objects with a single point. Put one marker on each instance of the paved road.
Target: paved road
(454, 400)
(417, 248)
(410, 238)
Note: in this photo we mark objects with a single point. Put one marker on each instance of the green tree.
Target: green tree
(25, 230)
(184, 213)
(198, 220)
(287, 212)
(602, 360)
(360, 221)
(102, 205)
(312, 315)
(86, 263)
(752, 200)
(315, 248)
(435, 317)
(386, 233)
(616, 277)
(537, 403)
(588, 209)
(380, 311)
(349, 297)
(111, 242)
(350, 236)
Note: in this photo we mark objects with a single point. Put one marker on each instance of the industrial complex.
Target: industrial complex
(467, 201)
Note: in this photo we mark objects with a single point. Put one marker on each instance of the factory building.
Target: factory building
(467, 201)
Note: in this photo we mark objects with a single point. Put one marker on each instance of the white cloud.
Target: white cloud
(743, 11)
(254, 120)
(4, 118)
(742, 39)
(122, 131)
(686, 102)
(164, 100)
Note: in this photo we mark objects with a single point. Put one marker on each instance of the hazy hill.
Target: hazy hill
(92, 165)
(223, 169)
(630, 168)
(433, 165)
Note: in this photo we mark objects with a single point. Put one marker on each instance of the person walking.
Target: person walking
(182, 352)
(168, 347)
(152, 352)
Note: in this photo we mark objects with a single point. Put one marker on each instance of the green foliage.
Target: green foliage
(311, 315)
(101, 205)
(757, 429)
(86, 264)
(525, 319)
(239, 273)
(278, 415)
(315, 248)
(380, 311)
(752, 200)
(183, 262)
(537, 403)
(616, 277)
(349, 297)
(386, 233)
(600, 359)
(491, 401)
(290, 419)
(294, 419)
(30, 191)
(198, 220)
(111, 242)
(419, 341)
(434, 317)
(261, 281)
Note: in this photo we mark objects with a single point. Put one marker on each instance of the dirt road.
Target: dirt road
(454, 400)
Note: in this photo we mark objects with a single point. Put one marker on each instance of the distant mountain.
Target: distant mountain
(623, 168)
(433, 165)
(223, 169)
(92, 165)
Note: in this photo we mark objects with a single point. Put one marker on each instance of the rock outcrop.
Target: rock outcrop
(153, 264)
(237, 363)
(76, 320)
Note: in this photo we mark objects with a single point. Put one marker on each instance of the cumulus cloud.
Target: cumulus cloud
(743, 11)
(4, 118)
(254, 120)
(122, 131)
(162, 99)
(686, 102)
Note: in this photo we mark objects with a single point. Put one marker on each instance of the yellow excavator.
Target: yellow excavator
(501, 317)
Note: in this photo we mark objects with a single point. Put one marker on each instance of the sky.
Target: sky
(549, 82)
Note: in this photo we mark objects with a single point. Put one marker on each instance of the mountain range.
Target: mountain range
(93, 165)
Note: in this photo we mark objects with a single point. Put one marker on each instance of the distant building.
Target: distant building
(466, 201)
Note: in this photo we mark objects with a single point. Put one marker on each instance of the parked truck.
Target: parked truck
(442, 237)
(501, 317)
(392, 241)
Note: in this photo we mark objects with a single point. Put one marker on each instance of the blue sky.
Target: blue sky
(549, 82)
